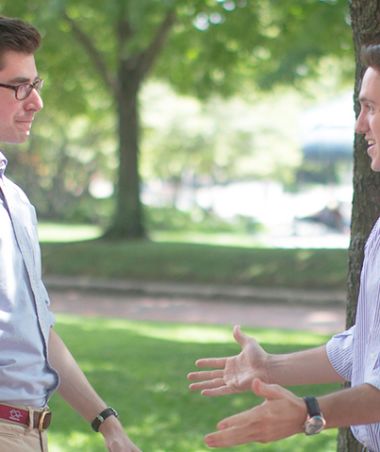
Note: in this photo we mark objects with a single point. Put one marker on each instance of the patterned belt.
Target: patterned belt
(30, 418)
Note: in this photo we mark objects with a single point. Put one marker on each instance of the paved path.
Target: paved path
(326, 317)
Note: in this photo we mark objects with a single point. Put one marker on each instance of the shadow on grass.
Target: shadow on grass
(140, 368)
(195, 263)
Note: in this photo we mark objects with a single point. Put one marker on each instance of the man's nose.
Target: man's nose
(361, 125)
(34, 101)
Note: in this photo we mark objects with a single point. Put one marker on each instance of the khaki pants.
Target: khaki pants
(17, 438)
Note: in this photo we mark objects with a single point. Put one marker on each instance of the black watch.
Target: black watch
(102, 416)
(315, 422)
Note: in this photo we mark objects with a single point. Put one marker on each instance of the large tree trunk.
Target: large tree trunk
(128, 218)
(365, 17)
(132, 70)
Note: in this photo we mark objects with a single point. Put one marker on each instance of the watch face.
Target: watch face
(314, 425)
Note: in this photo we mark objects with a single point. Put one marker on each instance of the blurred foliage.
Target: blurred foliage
(323, 172)
(189, 142)
(268, 41)
(197, 220)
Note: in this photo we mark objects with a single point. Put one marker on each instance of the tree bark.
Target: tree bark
(128, 222)
(365, 15)
(128, 219)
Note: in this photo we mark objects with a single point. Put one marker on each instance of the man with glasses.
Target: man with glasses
(34, 361)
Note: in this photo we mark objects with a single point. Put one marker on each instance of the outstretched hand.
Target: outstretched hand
(232, 374)
(282, 414)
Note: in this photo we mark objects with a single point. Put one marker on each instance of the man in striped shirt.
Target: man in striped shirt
(353, 355)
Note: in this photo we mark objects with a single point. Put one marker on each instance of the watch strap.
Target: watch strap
(101, 417)
(312, 406)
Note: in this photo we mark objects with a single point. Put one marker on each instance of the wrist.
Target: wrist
(270, 366)
(110, 426)
(102, 417)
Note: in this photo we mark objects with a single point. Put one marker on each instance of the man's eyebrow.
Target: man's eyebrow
(365, 99)
(19, 80)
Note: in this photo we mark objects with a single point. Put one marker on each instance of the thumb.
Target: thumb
(267, 391)
(240, 337)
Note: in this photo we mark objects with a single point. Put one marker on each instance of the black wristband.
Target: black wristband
(101, 417)
(312, 406)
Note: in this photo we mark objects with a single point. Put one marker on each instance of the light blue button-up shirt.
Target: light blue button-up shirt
(26, 377)
(355, 353)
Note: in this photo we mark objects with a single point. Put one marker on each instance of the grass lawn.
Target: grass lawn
(140, 367)
(195, 263)
(189, 262)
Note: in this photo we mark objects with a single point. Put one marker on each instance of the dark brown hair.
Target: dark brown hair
(370, 55)
(18, 36)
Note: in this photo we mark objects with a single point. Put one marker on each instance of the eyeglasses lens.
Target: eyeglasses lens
(24, 90)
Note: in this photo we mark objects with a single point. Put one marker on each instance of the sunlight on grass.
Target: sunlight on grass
(88, 366)
(196, 333)
(140, 368)
(225, 239)
(63, 233)
(55, 232)
(74, 441)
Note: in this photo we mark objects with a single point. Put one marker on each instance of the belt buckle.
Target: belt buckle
(41, 420)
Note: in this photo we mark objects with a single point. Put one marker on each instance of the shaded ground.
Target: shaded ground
(326, 317)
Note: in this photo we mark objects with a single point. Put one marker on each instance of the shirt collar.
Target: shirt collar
(3, 163)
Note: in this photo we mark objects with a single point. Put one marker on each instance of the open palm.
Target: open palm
(232, 374)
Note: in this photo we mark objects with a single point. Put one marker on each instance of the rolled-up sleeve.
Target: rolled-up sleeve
(340, 351)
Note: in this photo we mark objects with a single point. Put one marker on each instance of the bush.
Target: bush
(198, 220)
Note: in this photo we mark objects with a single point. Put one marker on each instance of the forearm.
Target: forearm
(352, 406)
(77, 391)
(306, 367)
(74, 386)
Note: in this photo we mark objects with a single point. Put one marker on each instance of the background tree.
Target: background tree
(205, 47)
(190, 142)
(365, 15)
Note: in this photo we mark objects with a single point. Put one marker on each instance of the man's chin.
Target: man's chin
(16, 140)
(375, 165)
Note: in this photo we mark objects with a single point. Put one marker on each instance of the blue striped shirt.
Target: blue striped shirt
(355, 353)
(26, 377)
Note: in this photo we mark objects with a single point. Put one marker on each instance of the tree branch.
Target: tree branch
(148, 56)
(124, 33)
(93, 53)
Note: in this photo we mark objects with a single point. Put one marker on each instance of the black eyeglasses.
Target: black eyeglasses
(23, 90)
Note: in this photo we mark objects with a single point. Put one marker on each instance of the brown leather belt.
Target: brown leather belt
(30, 418)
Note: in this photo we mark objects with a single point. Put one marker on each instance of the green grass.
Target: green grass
(196, 263)
(140, 367)
(61, 233)
(229, 259)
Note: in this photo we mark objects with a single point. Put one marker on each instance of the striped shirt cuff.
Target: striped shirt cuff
(339, 351)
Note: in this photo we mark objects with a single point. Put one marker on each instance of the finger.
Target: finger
(238, 420)
(222, 390)
(208, 384)
(229, 437)
(205, 375)
(218, 363)
(268, 391)
(240, 337)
